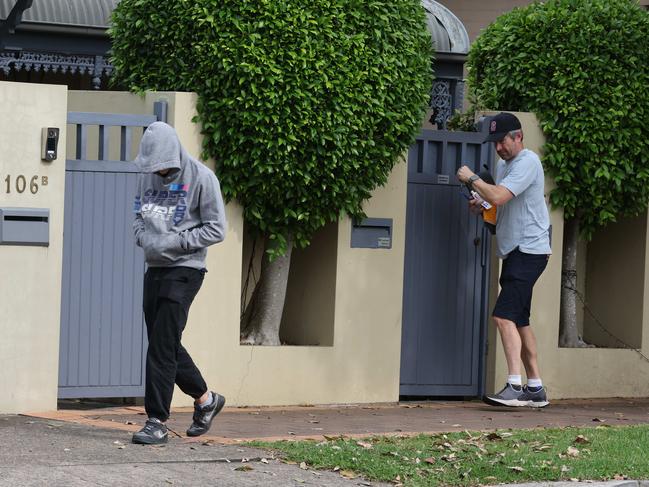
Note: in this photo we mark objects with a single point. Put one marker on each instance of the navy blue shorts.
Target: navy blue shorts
(519, 274)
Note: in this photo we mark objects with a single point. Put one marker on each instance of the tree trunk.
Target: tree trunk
(263, 316)
(569, 333)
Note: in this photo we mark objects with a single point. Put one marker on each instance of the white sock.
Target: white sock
(208, 401)
(515, 380)
(534, 383)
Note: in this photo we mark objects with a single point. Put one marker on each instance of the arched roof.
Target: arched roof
(447, 31)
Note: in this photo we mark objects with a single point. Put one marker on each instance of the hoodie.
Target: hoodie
(177, 216)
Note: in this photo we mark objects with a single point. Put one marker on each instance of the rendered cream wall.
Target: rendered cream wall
(30, 282)
(363, 363)
(568, 372)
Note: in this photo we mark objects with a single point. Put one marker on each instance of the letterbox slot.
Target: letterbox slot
(11, 218)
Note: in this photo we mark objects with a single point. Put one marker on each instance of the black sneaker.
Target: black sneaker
(508, 396)
(535, 399)
(204, 415)
(153, 433)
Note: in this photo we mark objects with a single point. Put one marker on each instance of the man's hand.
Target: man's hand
(475, 206)
(464, 173)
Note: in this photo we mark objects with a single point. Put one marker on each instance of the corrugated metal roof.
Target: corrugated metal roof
(82, 13)
(447, 31)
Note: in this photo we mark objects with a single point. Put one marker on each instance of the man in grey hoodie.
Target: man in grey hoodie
(179, 212)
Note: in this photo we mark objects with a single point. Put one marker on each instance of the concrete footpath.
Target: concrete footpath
(92, 447)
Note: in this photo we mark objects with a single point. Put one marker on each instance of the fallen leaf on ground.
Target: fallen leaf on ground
(620, 477)
(598, 420)
(365, 444)
(581, 439)
(516, 469)
(264, 460)
(572, 451)
(564, 468)
(303, 466)
(244, 468)
(348, 474)
(542, 448)
(430, 460)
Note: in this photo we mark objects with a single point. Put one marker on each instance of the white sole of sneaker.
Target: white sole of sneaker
(492, 401)
(538, 404)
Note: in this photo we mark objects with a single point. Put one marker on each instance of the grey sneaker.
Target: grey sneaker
(508, 396)
(154, 433)
(203, 416)
(538, 399)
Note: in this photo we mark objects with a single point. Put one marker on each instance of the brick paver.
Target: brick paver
(242, 424)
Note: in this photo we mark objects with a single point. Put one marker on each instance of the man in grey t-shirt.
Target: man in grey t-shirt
(522, 234)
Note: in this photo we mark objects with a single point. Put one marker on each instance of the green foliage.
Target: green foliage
(463, 121)
(583, 67)
(305, 107)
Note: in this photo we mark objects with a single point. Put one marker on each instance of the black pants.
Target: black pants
(168, 294)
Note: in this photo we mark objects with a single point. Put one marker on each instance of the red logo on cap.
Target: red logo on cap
(492, 128)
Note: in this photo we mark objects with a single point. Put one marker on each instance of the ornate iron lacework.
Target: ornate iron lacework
(446, 97)
(56, 63)
(441, 102)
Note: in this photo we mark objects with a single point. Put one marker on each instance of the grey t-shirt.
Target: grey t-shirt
(523, 221)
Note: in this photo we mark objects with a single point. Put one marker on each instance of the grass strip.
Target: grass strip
(479, 458)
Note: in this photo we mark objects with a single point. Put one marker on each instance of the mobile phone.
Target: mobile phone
(464, 191)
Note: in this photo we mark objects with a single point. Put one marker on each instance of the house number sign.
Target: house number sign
(21, 183)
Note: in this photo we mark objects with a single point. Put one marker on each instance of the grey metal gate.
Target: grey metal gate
(103, 339)
(445, 272)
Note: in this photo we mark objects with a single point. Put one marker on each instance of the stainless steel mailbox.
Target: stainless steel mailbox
(25, 226)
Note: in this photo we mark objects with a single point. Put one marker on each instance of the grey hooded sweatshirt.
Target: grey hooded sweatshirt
(177, 216)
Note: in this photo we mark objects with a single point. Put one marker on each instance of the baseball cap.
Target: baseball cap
(500, 125)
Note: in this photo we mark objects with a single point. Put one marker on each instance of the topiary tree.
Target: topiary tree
(305, 107)
(583, 67)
